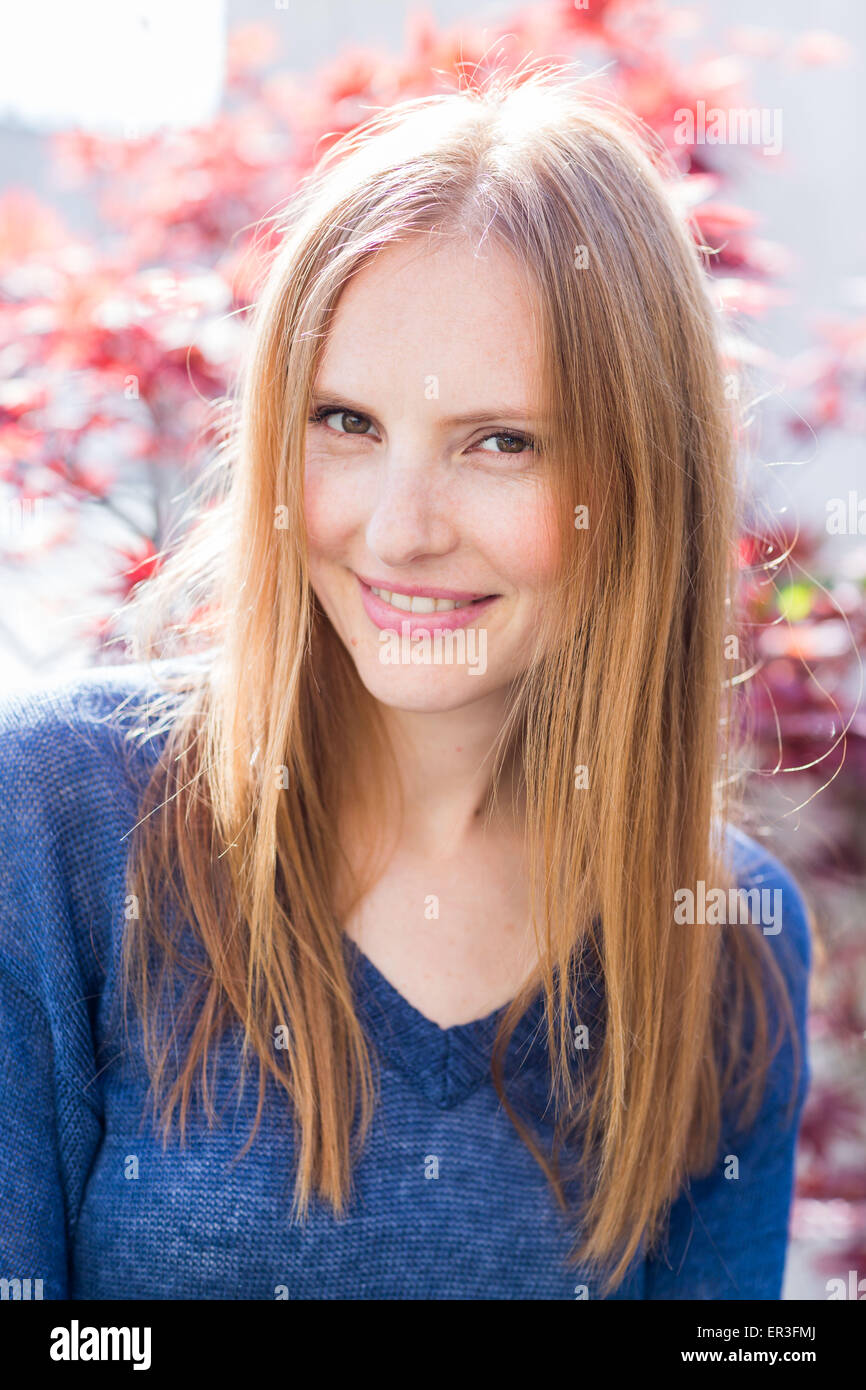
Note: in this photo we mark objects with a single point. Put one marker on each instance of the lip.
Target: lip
(419, 590)
(383, 615)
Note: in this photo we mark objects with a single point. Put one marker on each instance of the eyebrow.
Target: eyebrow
(474, 417)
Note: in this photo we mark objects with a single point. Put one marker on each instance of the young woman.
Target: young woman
(405, 888)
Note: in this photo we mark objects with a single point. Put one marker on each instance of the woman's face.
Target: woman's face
(408, 495)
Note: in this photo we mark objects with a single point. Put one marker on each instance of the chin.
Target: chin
(425, 689)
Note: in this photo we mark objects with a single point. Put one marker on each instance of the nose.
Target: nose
(413, 513)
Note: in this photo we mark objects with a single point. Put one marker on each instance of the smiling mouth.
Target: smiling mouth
(424, 603)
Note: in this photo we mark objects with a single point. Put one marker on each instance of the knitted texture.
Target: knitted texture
(447, 1200)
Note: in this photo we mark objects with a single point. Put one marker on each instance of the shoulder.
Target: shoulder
(58, 732)
(784, 913)
(76, 753)
(89, 729)
(77, 750)
(46, 712)
(784, 920)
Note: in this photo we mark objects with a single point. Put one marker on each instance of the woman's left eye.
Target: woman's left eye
(516, 443)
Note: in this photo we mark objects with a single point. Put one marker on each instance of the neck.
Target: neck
(445, 763)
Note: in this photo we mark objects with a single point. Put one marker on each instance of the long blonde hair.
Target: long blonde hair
(628, 682)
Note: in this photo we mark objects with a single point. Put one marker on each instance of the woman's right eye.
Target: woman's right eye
(351, 421)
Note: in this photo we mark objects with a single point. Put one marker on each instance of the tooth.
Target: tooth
(419, 603)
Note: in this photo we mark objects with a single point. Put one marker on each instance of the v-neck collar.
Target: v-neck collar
(445, 1064)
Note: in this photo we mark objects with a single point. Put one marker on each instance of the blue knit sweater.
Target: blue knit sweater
(448, 1202)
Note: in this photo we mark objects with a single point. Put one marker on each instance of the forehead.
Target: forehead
(441, 309)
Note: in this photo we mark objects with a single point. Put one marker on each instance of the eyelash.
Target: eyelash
(320, 415)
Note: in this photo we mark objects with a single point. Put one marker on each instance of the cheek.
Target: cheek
(525, 545)
(331, 508)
